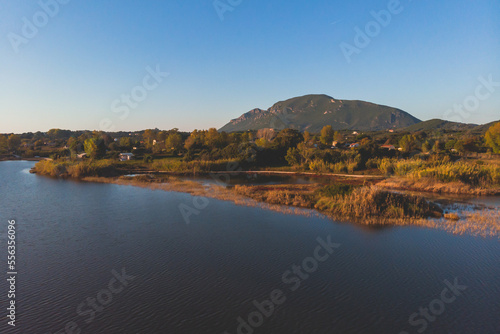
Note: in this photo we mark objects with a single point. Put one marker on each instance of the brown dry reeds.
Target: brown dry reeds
(435, 186)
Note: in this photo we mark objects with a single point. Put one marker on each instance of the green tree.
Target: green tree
(426, 147)
(407, 143)
(125, 143)
(95, 148)
(292, 156)
(288, 138)
(173, 142)
(337, 136)
(492, 137)
(306, 152)
(460, 146)
(4, 144)
(13, 142)
(213, 138)
(72, 144)
(326, 135)
(195, 140)
(262, 142)
(437, 147)
(450, 144)
(148, 136)
(307, 136)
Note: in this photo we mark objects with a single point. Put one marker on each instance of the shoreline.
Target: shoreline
(484, 223)
(21, 159)
(362, 199)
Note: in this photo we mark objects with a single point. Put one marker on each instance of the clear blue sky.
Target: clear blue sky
(428, 58)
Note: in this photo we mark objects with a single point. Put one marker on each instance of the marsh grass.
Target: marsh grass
(369, 202)
(426, 184)
(484, 223)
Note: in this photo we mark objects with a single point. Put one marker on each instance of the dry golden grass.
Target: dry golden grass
(485, 223)
(452, 216)
(434, 186)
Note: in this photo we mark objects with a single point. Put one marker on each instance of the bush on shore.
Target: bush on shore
(63, 168)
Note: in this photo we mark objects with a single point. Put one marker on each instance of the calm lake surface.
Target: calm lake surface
(201, 277)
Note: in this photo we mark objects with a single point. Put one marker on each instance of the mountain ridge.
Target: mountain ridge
(312, 112)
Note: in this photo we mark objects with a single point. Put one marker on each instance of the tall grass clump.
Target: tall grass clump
(369, 202)
(471, 174)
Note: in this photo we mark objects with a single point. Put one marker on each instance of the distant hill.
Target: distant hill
(439, 124)
(313, 112)
(483, 128)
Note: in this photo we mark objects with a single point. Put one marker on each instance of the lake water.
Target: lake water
(204, 277)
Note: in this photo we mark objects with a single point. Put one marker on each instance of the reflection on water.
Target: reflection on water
(201, 277)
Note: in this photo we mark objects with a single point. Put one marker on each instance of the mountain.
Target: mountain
(313, 112)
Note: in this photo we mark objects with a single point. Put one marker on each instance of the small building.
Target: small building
(335, 143)
(354, 145)
(388, 147)
(125, 156)
(81, 155)
(355, 133)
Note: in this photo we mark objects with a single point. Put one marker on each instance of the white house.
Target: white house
(354, 145)
(126, 156)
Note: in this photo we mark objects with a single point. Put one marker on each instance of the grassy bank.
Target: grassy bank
(463, 177)
(74, 169)
(110, 168)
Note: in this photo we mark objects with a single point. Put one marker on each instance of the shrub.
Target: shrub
(333, 190)
(386, 166)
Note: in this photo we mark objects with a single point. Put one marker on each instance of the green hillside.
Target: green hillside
(439, 124)
(313, 112)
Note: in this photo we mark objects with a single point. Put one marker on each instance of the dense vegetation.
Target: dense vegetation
(445, 156)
